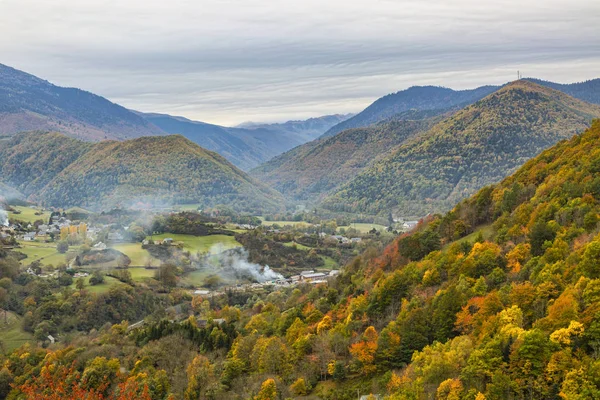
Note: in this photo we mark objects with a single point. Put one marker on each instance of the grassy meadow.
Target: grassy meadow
(200, 244)
(11, 333)
(28, 214)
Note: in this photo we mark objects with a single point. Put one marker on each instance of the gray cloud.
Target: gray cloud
(227, 61)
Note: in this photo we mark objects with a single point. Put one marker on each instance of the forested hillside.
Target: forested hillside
(247, 146)
(28, 103)
(419, 98)
(310, 171)
(64, 172)
(587, 91)
(497, 299)
(477, 146)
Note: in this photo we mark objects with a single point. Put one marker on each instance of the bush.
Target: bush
(62, 247)
(97, 278)
(65, 280)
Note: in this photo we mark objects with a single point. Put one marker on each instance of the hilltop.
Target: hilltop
(310, 171)
(587, 91)
(249, 145)
(29, 103)
(420, 98)
(63, 172)
(479, 145)
(442, 99)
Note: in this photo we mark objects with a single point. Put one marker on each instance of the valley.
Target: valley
(440, 244)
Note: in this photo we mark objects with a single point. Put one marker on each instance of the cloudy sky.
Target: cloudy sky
(229, 61)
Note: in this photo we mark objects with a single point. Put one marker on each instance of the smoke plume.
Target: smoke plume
(234, 263)
(3, 213)
(3, 217)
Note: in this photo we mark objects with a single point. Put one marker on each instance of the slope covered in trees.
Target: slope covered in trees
(310, 171)
(477, 146)
(249, 145)
(29, 103)
(439, 98)
(63, 172)
(587, 91)
(414, 98)
(497, 299)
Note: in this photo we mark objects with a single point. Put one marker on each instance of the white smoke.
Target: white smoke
(237, 260)
(3, 217)
(3, 213)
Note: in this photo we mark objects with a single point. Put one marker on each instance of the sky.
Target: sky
(231, 61)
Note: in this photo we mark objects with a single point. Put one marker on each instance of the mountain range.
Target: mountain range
(28, 103)
(479, 145)
(56, 170)
(250, 145)
(440, 98)
(310, 171)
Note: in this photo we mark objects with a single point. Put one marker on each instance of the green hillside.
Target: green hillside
(477, 146)
(316, 168)
(59, 171)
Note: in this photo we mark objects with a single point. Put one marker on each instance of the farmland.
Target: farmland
(29, 214)
(200, 244)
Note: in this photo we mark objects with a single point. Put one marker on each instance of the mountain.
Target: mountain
(28, 103)
(312, 170)
(477, 146)
(439, 98)
(305, 130)
(248, 146)
(587, 91)
(494, 311)
(60, 171)
(413, 98)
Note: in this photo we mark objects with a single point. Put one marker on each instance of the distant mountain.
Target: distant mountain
(28, 103)
(305, 130)
(246, 147)
(433, 97)
(587, 91)
(414, 98)
(310, 171)
(479, 145)
(60, 171)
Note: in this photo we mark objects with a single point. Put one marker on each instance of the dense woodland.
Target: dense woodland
(145, 172)
(479, 145)
(310, 171)
(497, 299)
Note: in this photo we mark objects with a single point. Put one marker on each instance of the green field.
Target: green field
(283, 223)
(11, 334)
(200, 244)
(44, 252)
(330, 263)
(196, 278)
(365, 227)
(102, 288)
(139, 257)
(140, 274)
(28, 214)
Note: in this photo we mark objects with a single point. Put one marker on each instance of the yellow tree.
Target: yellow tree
(364, 350)
(268, 390)
(200, 377)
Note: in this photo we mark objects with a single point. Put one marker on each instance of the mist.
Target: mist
(3, 213)
(3, 217)
(233, 264)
